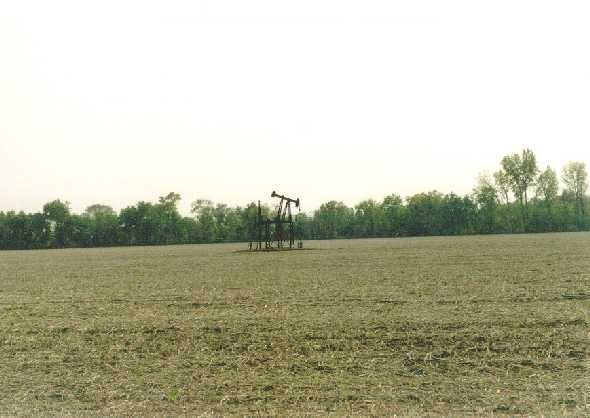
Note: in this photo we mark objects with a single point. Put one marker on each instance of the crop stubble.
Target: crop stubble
(464, 325)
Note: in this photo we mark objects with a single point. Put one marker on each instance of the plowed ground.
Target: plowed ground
(426, 326)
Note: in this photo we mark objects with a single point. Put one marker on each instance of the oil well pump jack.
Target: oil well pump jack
(279, 232)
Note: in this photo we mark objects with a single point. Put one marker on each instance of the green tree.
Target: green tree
(393, 212)
(204, 211)
(166, 219)
(502, 183)
(40, 230)
(139, 224)
(424, 214)
(228, 222)
(456, 214)
(548, 185)
(369, 220)
(546, 198)
(303, 226)
(575, 177)
(521, 171)
(81, 230)
(486, 198)
(333, 220)
(58, 213)
(103, 225)
(97, 209)
(199, 204)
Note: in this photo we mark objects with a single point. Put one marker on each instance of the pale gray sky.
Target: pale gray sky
(119, 101)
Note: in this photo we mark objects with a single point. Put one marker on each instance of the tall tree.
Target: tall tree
(548, 185)
(204, 211)
(486, 198)
(170, 200)
(58, 213)
(168, 219)
(199, 204)
(521, 171)
(393, 211)
(103, 226)
(575, 178)
(41, 233)
(545, 201)
(97, 209)
(502, 183)
(368, 219)
(424, 215)
(505, 212)
(456, 214)
(333, 220)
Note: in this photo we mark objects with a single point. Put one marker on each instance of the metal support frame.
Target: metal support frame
(278, 231)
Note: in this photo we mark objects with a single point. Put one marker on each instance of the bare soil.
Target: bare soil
(494, 325)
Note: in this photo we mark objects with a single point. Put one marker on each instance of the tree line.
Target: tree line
(519, 197)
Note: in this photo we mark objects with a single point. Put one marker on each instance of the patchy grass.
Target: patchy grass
(428, 326)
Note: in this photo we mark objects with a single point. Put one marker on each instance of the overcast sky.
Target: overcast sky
(119, 101)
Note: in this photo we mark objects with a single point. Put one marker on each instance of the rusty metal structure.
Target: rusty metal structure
(276, 233)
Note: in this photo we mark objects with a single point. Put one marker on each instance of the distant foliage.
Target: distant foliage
(489, 209)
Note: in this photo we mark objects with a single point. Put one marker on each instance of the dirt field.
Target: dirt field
(428, 326)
